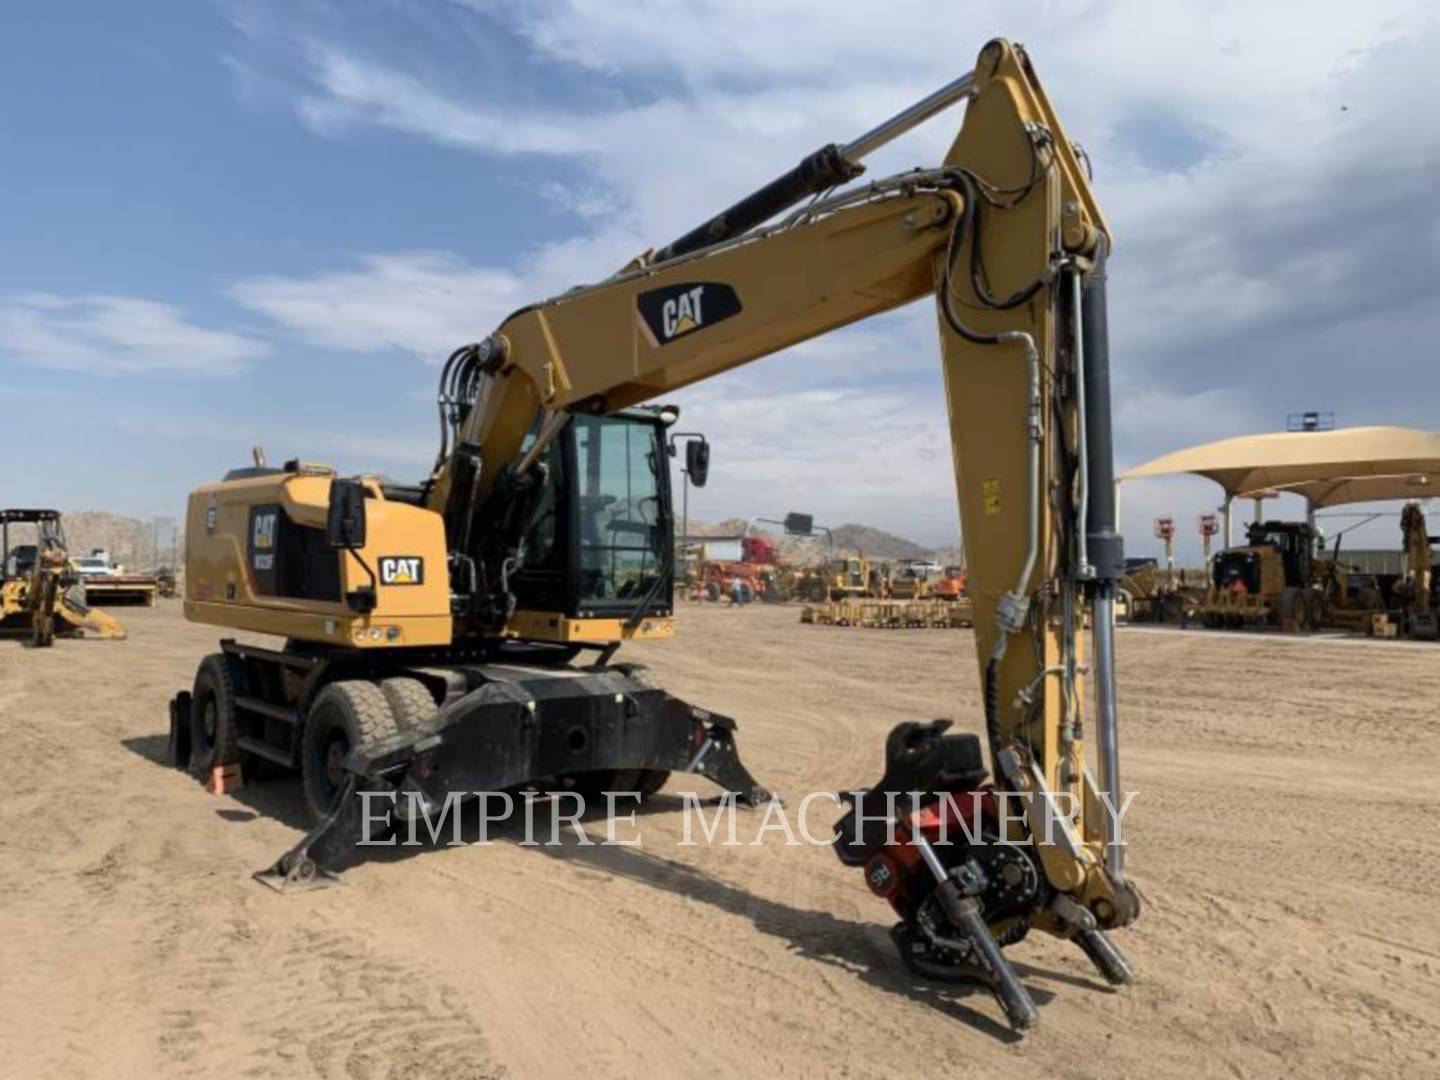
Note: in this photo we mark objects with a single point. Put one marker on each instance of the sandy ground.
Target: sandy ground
(1281, 833)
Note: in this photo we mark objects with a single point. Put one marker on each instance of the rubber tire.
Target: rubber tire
(1289, 607)
(215, 684)
(410, 701)
(353, 710)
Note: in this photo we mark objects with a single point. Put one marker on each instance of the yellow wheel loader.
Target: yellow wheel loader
(41, 594)
(460, 635)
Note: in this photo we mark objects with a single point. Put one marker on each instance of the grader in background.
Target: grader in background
(1270, 581)
(1280, 579)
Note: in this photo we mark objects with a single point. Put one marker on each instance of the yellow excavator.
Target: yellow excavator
(460, 635)
(1416, 588)
(41, 595)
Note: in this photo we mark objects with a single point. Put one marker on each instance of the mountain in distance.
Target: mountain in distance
(850, 539)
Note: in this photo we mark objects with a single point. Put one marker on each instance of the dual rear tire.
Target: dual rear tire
(348, 714)
(343, 715)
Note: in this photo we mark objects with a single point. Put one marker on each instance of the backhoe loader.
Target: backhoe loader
(41, 595)
(460, 635)
(1416, 589)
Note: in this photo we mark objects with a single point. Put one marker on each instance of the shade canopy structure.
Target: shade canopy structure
(1327, 467)
(1360, 489)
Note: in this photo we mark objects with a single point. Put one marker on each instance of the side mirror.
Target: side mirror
(345, 523)
(697, 461)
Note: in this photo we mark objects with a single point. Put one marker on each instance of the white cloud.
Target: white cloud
(350, 91)
(117, 335)
(426, 303)
(349, 451)
(1262, 165)
(869, 455)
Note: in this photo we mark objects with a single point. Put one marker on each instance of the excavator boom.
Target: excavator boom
(1007, 239)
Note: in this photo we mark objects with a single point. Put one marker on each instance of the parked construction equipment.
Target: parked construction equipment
(41, 594)
(106, 583)
(1416, 592)
(839, 578)
(891, 614)
(1270, 581)
(1152, 595)
(754, 576)
(430, 629)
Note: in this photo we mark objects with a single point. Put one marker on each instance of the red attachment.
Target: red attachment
(961, 811)
(761, 550)
(897, 873)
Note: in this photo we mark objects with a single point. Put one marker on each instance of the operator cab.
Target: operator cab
(602, 542)
(1294, 541)
(17, 560)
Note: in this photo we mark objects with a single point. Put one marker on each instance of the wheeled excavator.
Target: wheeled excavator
(460, 635)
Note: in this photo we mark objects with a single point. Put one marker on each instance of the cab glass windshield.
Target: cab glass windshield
(620, 515)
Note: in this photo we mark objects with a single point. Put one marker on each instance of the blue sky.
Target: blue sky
(232, 223)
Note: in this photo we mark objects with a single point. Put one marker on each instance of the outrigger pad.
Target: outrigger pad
(519, 725)
(307, 866)
(719, 760)
(178, 752)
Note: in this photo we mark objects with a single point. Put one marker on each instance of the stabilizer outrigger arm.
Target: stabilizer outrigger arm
(509, 733)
